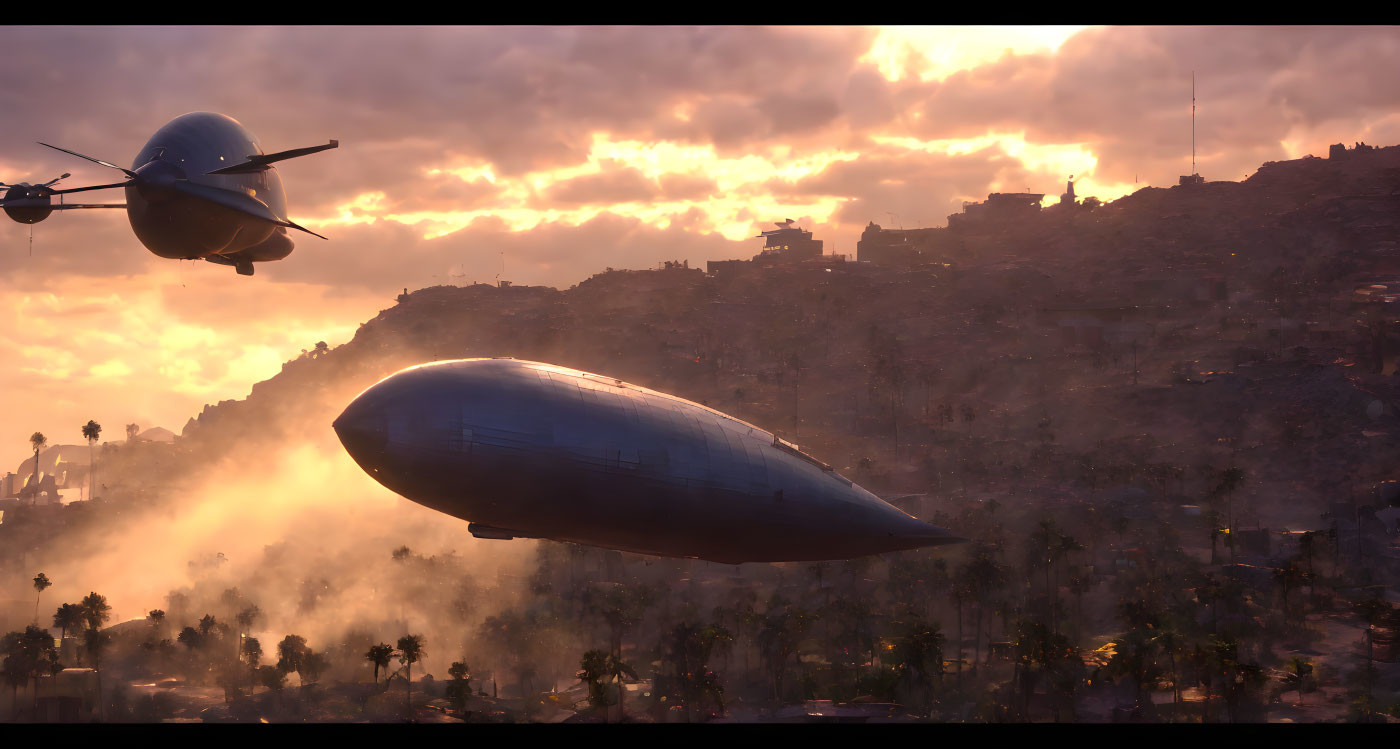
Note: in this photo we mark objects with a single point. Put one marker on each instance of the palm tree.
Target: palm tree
(1172, 642)
(410, 652)
(91, 430)
(1135, 658)
(94, 642)
(96, 612)
(983, 577)
(778, 637)
(28, 655)
(68, 616)
(919, 653)
(379, 655)
(690, 647)
(41, 581)
(598, 668)
(17, 667)
(1229, 481)
(157, 620)
(38, 440)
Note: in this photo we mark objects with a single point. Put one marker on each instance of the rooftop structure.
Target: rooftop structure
(999, 207)
(784, 245)
(788, 242)
(904, 247)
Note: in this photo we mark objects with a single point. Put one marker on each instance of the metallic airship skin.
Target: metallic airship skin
(524, 449)
(175, 225)
(201, 188)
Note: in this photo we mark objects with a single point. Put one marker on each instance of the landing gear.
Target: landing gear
(244, 267)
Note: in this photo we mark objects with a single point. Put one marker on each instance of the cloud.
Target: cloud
(569, 149)
(615, 184)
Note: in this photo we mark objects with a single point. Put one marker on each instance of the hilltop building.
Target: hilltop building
(904, 248)
(1339, 150)
(998, 208)
(1067, 197)
(788, 244)
(61, 467)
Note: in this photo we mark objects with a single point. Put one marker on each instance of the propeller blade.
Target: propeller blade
(65, 175)
(128, 172)
(93, 187)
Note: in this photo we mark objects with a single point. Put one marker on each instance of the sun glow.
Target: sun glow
(730, 208)
(936, 52)
(1058, 160)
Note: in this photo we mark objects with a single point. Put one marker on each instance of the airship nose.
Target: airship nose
(362, 429)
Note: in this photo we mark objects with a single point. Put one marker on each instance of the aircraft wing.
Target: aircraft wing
(259, 162)
(237, 201)
(70, 206)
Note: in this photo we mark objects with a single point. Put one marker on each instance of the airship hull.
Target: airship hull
(534, 450)
(172, 225)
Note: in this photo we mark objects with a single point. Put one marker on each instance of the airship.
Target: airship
(523, 449)
(201, 188)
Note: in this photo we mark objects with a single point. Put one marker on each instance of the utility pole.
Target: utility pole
(1193, 122)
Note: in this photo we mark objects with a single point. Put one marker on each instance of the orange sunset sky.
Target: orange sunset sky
(565, 150)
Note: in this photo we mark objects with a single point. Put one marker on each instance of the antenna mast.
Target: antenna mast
(1193, 122)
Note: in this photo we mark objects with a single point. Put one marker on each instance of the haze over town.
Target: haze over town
(1115, 304)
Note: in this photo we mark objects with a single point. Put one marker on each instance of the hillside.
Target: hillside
(1253, 282)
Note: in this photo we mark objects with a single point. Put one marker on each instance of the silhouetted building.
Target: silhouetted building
(788, 242)
(1339, 150)
(1067, 197)
(904, 248)
(998, 208)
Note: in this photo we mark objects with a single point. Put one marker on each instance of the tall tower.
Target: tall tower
(1193, 178)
